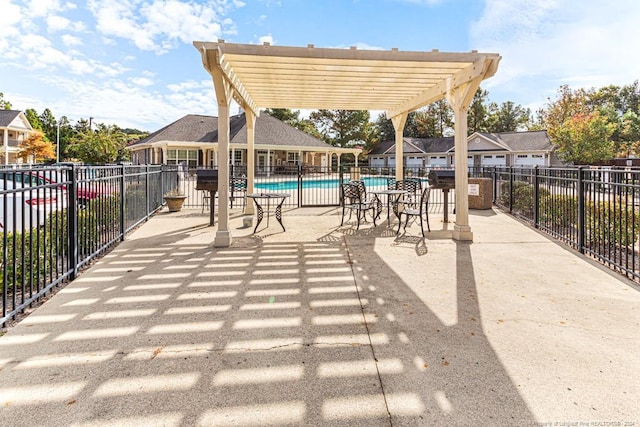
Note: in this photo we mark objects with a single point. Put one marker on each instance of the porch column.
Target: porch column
(460, 98)
(398, 125)
(268, 162)
(355, 155)
(5, 140)
(251, 170)
(164, 155)
(328, 159)
(338, 155)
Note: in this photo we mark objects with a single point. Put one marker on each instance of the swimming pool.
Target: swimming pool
(369, 181)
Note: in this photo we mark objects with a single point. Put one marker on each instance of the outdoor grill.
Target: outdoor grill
(207, 180)
(444, 179)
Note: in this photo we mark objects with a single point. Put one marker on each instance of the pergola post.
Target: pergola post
(460, 99)
(224, 93)
(398, 125)
(251, 169)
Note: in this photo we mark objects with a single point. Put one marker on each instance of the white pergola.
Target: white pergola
(397, 82)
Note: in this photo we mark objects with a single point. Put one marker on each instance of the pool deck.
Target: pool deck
(324, 325)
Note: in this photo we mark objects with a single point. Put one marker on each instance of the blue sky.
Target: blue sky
(132, 62)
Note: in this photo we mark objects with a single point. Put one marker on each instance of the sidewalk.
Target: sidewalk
(324, 325)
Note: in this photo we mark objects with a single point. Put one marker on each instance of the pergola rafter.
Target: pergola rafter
(397, 82)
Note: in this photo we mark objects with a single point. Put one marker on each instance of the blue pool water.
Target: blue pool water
(370, 181)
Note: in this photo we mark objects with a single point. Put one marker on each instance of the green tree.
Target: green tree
(435, 120)
(34, 119)
(383, 128)
(478, 112)
(67, 132)
(585, 138)
(4, 104)
(508, 117)
(384, 131)
(629, 135)
(49, 125)
(288, 116)
(342, 127)
(104, 145)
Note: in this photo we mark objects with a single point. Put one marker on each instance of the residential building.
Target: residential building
(484, 149)
(14, 128)
(193, 141)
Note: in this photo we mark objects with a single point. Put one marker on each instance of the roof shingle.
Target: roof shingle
(268, 131)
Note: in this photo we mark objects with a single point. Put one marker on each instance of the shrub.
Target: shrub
(611, 222)
(522, 196)
(558, 210)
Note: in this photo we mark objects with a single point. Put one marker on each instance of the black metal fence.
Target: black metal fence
(55, 220)
(595, 210)
(307, 186)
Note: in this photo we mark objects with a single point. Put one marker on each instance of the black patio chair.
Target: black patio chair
(413, 187)
(238, 185)
(353, 198)
(364, 196)
(412, 210)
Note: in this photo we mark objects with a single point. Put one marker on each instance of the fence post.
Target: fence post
(147, 192)
(494, 174)
(122, 203)
(581, 210)
(510, 189)
(73, 221)
(299, 185)
(536, 195)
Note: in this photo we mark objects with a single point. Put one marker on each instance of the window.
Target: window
(433, 157)
(237, 157)
(500, 156)
(537, 156)
(292, 157)
(188, 157)
(487, 156)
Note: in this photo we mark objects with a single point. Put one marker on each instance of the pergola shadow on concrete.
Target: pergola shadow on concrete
(398, 82)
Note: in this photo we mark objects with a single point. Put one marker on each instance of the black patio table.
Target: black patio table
(391, 195)
(279, 198)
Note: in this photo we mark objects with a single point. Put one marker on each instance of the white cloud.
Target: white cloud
(142, 81)
(41, 8)
(57, 23)
(11, 14)
(584, 43)
(159, 25)
(71, 41)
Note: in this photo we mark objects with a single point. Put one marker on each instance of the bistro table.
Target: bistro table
(277, 198)
(392, 198)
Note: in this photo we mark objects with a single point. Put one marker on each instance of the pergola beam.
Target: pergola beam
(398, 82)
(479, 69)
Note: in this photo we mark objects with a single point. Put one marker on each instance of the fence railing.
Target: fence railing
(306, 185)
(595, 210)
(54, 220)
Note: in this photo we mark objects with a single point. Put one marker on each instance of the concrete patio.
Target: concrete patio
(325, 325)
